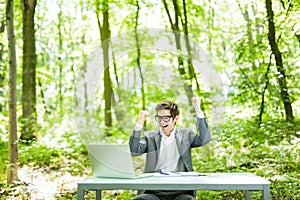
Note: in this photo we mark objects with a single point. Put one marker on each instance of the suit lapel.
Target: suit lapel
(157, 139)
(178, 137)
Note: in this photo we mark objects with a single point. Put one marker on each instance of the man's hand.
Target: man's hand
(142, 117)
(196, 101)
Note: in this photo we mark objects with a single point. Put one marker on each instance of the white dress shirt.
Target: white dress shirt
(168, 155)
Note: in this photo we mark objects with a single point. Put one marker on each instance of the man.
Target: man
(168, 149)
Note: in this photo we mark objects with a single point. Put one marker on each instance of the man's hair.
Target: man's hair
(168, 105)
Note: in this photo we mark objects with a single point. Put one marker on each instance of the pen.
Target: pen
(164, 173)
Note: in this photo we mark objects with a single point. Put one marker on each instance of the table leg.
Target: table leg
(98, 194)
(266, 192)
(248, 195)
(80, 193)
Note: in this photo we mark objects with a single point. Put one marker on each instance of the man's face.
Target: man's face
(166, 121)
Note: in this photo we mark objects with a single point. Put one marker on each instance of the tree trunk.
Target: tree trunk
(284, 94)
(105, 41)
(12, 172)
(60, 63)
(29, 65)
(107, 79)
(176, 31)
(2, 28)
(263, 93)
(138, 58)
(192, 74)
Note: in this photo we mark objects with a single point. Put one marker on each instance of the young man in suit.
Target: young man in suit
(169, 148)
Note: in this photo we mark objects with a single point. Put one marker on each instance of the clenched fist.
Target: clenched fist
(142, 116)
(196, 101)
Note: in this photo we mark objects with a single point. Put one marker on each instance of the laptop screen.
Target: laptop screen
(111, 160)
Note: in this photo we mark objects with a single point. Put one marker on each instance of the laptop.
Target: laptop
(112, 161)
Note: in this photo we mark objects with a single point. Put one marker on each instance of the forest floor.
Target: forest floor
(44, 184)
(41, 183)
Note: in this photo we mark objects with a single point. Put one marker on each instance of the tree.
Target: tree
(105, 41)
(29, 72)
(281, 77)
(60, 62)
(2, 27)
(12, 174)
(189, 76)
(138, 58)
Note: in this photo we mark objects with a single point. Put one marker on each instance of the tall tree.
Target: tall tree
(12, 174)
(191, 70)
(179, 24)
(2, 75)
(60, 62)
(105, 41)
(29, 71)
(138, 49)
(2, 25)
(281, 77)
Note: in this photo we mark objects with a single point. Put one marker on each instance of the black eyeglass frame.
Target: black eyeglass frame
(165, 118)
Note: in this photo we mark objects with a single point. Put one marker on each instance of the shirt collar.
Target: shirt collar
(171, 135)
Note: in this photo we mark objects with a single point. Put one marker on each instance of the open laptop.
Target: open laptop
(112, 161)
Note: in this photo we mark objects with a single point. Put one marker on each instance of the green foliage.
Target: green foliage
(240, 50)
(270, 150)
(3, 158)
(256, 72)
(71, 158)
(65, 159)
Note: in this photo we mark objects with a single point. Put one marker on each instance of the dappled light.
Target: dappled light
(74, 73)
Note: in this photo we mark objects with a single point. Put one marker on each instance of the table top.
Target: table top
(201, 181)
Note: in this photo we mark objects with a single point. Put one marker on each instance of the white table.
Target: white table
(209, 181)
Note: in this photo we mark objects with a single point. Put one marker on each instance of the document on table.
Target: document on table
(176, 174)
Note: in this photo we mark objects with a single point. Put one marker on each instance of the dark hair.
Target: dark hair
(168, 105)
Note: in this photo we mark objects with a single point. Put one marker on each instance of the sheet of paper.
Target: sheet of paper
(168, 174)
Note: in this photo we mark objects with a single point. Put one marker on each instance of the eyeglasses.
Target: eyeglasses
(166, 118)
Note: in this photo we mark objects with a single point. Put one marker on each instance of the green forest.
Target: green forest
(75, 72)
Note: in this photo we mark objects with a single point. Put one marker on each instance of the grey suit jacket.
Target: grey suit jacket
(185, 139)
